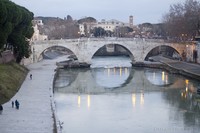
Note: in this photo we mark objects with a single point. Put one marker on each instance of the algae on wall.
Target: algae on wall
(12, 76)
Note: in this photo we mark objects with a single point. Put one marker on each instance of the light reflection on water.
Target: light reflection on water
(123, 99)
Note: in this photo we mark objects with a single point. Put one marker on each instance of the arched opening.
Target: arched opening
(165, 51)
(111, 66)
(112, 55)
(56, 51)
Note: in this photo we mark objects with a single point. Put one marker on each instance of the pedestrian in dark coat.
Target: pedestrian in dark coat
(12, 104)
(30, 76)
(1, 107)
(16, 104)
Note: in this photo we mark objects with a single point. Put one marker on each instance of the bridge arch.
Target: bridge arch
(38, 47)
(111, 47)
(163, 50)
(176, 47)
(58, 50)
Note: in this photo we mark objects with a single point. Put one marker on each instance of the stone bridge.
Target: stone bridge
(85, 48)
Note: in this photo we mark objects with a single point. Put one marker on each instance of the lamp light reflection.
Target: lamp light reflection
(108, 72)
(186, 81)
(163, 76)
(120, 71)
(142, 99)
(88, 101)
(126, 71)
(79, 100)
(186, 89)
(133, 99)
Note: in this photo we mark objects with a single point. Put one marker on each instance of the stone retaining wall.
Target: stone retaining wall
(6, 56)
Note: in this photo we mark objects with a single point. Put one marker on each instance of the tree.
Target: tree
(98, 32)
(183, 20)
(15, 28)
(123, 31)
(87, 20)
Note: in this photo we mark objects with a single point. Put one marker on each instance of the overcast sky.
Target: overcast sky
(142, 10)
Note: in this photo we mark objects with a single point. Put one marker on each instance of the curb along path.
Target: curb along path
(36, 98)
(189, 69)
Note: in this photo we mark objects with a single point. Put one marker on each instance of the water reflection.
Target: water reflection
(158, 77)
(142, 100)
(111, 77)
(79, 100)
(88, 101)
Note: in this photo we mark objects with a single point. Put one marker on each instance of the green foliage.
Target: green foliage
(87, 20)
(3, 12)
(12, 76)
(15, 27)
(99, 32)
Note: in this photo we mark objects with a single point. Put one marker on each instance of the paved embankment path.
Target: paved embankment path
(189, 68)
(35, 113)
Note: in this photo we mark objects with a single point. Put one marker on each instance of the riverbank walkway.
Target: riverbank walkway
(35, 113)
(190, 69)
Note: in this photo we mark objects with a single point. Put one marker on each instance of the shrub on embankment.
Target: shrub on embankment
(12, 76)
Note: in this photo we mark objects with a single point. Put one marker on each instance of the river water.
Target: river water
(112, 97)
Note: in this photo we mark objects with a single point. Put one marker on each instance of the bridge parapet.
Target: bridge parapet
(101, 39)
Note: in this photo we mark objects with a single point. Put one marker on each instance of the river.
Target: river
(113, 97)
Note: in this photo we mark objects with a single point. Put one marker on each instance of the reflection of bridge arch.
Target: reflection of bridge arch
(85, 83)
(125, 74)
(159, 77)
(84, 49)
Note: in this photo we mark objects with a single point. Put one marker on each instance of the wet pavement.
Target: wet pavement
(35, 98)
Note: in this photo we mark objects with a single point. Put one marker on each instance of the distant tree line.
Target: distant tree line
(15, 28)
(182, 22)
(57, 28)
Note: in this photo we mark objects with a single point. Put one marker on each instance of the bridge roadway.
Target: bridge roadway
(185, 68)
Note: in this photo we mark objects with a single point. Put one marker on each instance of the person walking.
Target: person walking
(16, 104)
(12, 104)
(1, 109)
(30, 76)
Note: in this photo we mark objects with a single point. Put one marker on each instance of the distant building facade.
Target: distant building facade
(36, 35)
(110, 25)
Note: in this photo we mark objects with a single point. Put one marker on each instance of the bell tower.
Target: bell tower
(131, 21)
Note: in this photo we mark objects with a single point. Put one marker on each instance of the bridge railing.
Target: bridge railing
(120, 39)
(102, 39)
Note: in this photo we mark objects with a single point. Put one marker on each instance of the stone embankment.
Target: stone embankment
(174, 66)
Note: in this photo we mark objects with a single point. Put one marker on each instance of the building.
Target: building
(36, 35)
(38, 22)
(131, 21)
(81, 29)
(110, 25)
